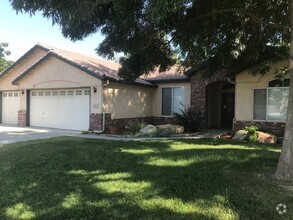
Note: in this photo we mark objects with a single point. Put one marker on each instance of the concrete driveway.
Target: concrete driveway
(11, 134)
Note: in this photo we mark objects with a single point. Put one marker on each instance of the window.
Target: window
(277, 104)
(172, 100)
(279, 83)
(78, 92)
(70, 92)
(55, 93)
(271, 104)
(260, 104)
(62, 93)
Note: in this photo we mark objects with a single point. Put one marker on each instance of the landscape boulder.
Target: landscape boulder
(266, 138)
(148, 130)
(240, 135)
(172, 129)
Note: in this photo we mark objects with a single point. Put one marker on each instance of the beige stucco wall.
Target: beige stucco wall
(245, 84)
(55, 73)
(127, 101)
(5, 82)
(157, 100)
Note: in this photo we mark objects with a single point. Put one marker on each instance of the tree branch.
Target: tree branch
(251, 15)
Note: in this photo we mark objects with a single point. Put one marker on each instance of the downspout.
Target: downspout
(103, 113)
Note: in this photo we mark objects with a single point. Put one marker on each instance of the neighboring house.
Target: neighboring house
(49, 87)
(54, 88)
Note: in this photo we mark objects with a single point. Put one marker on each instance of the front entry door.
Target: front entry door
(227, 110)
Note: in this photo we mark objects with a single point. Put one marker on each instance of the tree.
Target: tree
(159, 33)
(4, 63)
(285, 165)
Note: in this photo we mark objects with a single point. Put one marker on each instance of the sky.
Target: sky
(22, 31)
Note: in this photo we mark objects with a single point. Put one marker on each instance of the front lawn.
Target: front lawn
(74, 178)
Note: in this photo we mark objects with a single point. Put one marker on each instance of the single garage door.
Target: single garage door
(65, 109)
(10, 107)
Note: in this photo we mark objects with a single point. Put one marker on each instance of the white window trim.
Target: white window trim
(172, 87)
(266, 120)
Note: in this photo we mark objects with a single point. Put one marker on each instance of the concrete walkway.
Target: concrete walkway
(12, 134)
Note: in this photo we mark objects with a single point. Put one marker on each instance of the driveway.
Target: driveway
(10, 134)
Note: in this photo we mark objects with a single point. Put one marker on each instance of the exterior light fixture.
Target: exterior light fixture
(94, 89)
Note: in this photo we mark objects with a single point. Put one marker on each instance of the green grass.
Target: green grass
(73, 178)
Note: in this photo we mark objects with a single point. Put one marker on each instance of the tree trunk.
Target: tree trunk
(285, 165)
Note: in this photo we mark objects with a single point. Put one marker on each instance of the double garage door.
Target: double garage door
(65, 109)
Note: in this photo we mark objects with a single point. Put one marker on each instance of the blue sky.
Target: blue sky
(22, 32)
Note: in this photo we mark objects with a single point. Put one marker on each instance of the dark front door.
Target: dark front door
(227, 110)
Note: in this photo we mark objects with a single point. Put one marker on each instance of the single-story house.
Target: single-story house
(50, 87)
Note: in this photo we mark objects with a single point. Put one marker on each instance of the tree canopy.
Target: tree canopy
(4, 63)
(160, 33)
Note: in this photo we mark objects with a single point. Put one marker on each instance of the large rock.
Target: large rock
(240, 135)
(266, 138)
(172, 129)
(148, 130)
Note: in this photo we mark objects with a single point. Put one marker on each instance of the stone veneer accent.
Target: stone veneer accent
(96, 121)
(22, 118)
(276, 128)
(198, 92)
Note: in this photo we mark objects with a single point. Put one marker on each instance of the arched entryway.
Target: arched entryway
(220, 104)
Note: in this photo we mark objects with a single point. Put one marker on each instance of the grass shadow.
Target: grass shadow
(65, 178)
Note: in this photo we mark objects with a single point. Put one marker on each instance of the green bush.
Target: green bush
(252, 133)
(134, 127)
(190, 119)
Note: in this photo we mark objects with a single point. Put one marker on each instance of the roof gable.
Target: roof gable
(98, 68)
(22, 58)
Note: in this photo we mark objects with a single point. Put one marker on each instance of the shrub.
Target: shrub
(252, 133)
(134, 127)
(190, 119)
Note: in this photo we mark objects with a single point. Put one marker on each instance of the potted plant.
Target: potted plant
(113, 127)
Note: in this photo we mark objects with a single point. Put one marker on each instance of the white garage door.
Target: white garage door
(10, 107)
(65, 109)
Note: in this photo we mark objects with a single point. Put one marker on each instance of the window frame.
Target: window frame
(267, 97)
(172, 99)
